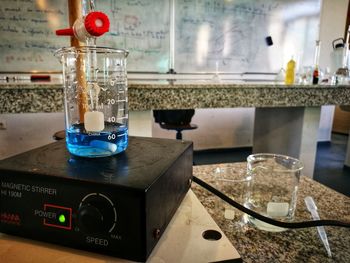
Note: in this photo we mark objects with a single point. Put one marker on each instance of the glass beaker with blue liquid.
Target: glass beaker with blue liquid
(95, 100)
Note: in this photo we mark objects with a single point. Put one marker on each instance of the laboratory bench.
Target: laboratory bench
(46, 97)
(297, 245)
(286, 117)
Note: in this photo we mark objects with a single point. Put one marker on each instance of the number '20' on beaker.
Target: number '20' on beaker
(95, 100)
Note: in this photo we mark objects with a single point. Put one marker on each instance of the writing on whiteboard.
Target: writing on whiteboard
(28, 35)
(143, 28)
(28, 39)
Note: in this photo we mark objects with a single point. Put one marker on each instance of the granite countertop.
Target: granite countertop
(300, 245)
(46, 97)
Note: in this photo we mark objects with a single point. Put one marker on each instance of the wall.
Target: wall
(333, 20)
(22, 132)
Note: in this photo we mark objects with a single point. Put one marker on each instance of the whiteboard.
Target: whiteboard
(230, 36)
(210, 35)
(28, 38)
(27, 34)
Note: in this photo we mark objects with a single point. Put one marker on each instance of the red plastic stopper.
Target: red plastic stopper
(96, 23)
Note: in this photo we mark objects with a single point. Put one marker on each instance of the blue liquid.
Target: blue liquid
(112, 140)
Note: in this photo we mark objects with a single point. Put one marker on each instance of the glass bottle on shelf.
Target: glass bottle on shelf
(316, 72)
(290, 72)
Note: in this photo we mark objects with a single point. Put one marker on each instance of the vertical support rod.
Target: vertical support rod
(75, 12)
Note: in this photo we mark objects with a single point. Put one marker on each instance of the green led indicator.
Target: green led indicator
(62, 219)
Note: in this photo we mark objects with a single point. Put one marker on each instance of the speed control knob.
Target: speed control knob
(90, 219)
(96, 214)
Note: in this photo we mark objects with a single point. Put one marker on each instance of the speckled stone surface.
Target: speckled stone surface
(18, 98)
(234, 95)
(302, 245)
(33, 98)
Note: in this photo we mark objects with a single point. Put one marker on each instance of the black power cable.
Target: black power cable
(267, 219)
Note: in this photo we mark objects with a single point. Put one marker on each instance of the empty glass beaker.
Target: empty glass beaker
(272, 188)
(95, 100)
